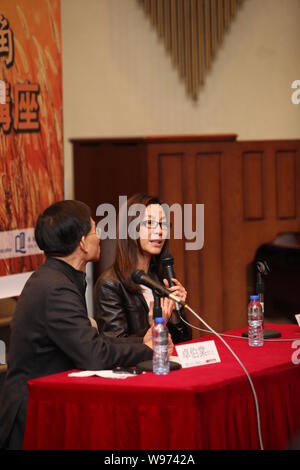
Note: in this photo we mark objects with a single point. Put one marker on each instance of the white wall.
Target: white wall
(119, 81)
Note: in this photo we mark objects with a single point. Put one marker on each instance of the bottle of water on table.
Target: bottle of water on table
(255, 322)
(160, 341)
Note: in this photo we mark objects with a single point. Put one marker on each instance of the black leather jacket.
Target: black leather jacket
(121, 313)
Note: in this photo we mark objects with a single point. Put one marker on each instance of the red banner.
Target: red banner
(31, 138)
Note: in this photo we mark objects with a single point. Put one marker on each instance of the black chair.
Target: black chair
(281, 285)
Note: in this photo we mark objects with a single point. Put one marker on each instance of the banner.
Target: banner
(31, 138)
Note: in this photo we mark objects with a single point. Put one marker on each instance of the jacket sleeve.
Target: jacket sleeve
(70, 330)
(179, 330)
(118, 315)
(110, 311)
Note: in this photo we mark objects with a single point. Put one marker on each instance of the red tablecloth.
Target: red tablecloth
(206, 407)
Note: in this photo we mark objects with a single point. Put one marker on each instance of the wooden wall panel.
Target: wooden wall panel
(253, 185)
(171, 190)
(237, 248)
(100, 176)
(178, 159)
(193, 274)
(242, 237)
(286, 183)
(250, 191)
(208, 183)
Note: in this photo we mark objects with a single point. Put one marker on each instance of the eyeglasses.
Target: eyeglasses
(153, 224)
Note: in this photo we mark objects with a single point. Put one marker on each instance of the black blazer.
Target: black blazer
(120, 313)
(51, 333)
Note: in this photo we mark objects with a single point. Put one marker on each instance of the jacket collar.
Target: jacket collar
(77, 277)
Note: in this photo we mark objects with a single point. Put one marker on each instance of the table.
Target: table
(206, 407)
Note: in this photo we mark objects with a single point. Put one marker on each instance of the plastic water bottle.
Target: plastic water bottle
(255, 322)
(160, 341)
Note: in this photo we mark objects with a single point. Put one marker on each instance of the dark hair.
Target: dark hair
(60, 227)
(126, 249)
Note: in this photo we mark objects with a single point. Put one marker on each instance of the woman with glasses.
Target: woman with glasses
(123, 308)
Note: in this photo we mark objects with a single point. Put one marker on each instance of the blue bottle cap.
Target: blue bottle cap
(254, 297)
(159, 320)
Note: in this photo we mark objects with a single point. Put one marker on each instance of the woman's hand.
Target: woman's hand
(171, 345)
(167, 309)
(147, 340)
(177, 290)
(167, 306)
(150, 314)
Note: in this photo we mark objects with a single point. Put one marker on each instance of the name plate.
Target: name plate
(298, 318)
(198, 354)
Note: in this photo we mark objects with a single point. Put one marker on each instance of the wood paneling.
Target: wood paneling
(171, 190)
(208, 183)
(103, 171)
(286, 184)
(249, 189)
(253, 184)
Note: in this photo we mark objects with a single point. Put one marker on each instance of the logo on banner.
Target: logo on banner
(20, 243)
(15, 243)
(25, 95)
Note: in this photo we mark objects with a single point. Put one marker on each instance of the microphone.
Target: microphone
(140, 277)
(168, 264)
(263, 270)
(157, 310)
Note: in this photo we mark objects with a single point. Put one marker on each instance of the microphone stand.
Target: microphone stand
(263, 270)
(157, 310)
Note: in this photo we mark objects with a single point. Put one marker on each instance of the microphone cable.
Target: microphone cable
(281, 340)
(240, 363)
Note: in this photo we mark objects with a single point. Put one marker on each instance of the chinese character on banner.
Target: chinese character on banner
(26, 107)
(5, 107)
(6, 42)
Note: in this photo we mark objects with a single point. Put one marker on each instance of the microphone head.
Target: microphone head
(167, 260)
(137, 276)
(263, 267)
(140, 277)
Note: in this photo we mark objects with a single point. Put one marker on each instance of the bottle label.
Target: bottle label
(256, 333)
